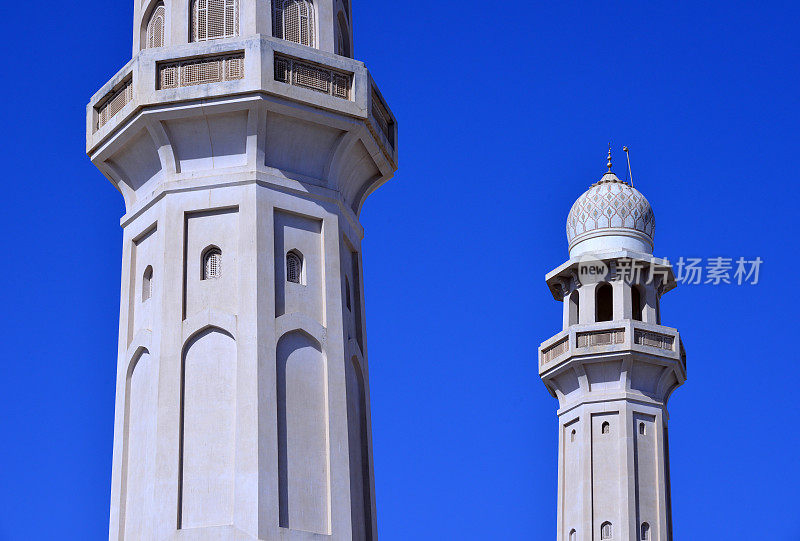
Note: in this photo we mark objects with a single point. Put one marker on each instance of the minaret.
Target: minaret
(244, 139)
(612, 367)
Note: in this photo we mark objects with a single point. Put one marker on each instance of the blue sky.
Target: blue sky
(505, 112)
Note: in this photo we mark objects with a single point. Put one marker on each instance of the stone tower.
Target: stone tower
(244, 139)
(612, 368)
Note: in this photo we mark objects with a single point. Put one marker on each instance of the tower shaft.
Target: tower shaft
(244, 141)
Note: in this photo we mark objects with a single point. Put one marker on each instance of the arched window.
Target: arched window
(606, 428)
(342, 37)
(212, 263)
(606, 531)
(574, 307)
(347, 292)
(155, 27)
(573, 535)
(604, 298)
(645, 531)
(642, 429)
(293, 20)
(636, 303)
(572, 435)
(294, 267)
(214, 19)
(147, 283)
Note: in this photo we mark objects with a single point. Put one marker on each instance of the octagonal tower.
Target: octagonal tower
(244, 139)
(612, 368)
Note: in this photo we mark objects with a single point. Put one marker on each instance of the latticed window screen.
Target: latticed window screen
(214, 19)
(294, 267)
(155, 27)
(113, 103)
(212, 264)
(293, 20)
(317, 78)
(201, 71)
(606, 531)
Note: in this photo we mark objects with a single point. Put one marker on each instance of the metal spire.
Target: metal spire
(609, 158)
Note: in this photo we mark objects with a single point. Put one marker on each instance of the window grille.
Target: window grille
(606, 531)
(293, 20)
(606, 428)
(155, 27)
(201, 71)
(147, 283)
(294, 267)
(645, 531)
(113, 103)
(212, 264)
(214, 19)
(320, 79)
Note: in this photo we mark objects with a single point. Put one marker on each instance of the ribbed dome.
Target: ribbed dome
(611, 208)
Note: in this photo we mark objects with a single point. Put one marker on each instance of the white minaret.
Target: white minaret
(612, 367)
(244, 139)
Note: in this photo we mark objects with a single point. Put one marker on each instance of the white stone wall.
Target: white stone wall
(612, 380)
(242, 408)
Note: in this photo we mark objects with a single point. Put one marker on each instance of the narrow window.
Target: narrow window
(606, 428)
(212, 263)
(294, 21)
(214, 19)
(572, 435)
(155, 27)
(605, 304)
(573, 535)
(347, 292)
(606, 531)
(636, 303)
(294, 267)
(147, 283)
(342, 37)
(645, 531)
(642, 429)
(574, 307)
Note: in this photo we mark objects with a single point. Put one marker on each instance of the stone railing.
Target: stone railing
(609, 337)
(113, 103)
(382, 117)
(552, 352)
(199, 71)
(313, 77)
(600, 338)
(654, 339)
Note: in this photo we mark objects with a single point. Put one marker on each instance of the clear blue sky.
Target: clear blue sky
(505, 111)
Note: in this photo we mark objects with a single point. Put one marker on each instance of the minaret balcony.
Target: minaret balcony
(240, 67)
(608, 339)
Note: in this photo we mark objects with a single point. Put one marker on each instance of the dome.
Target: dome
(610, 215)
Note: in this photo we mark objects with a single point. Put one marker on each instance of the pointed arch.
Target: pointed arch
(156, 26)
(214, 19)
(294, 20)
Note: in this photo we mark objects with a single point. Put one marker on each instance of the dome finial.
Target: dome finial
(609, 158)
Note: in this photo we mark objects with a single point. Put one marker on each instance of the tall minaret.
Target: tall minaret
(612, 367)
(244, 139)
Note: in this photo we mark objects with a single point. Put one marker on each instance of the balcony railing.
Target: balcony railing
(610, 337)
(313, 77)
(113, 103)
(199, 71)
